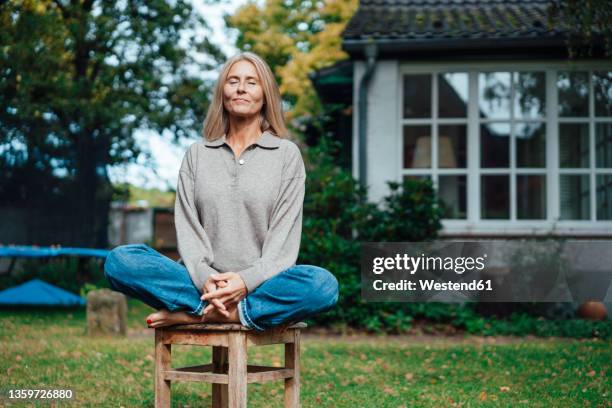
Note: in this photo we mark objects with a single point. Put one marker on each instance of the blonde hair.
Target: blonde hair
(216, 123)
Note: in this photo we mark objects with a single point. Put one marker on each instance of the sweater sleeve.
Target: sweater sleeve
(282, 241)
(193, 243)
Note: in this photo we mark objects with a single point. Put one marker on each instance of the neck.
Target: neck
(244, 131)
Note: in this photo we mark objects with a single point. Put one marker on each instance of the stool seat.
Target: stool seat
(226, 326)
(228, 372)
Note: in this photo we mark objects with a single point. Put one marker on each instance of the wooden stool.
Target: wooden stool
(229, 372)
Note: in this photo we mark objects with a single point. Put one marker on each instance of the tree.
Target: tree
(585, 22)
(77, 78)
(295, 37)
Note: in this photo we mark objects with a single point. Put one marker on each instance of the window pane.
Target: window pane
(417, 96)
(604, 196)
(452, 95)
(602, 84)
(530, 145)
(417, 147)
(531, 197)
(530, 90)
(452, 191)
(494, 145)
(573, 93)
(603, 144)
(494, 95)
(575, 197)
(495, 197)
(574, 145)
(452, 146)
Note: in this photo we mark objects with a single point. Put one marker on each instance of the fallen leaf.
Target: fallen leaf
(359, 379)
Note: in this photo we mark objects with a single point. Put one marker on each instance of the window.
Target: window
(585, 143)
(523, 145)
(435, 135)
(512, 129)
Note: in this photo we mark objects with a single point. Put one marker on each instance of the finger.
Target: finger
(218, 304)
(215, 302)
(229, 299)
(218, 293)
(209, 289)
(222, 284)
(209, 286)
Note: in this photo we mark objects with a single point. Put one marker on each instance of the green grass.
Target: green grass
(49, 349)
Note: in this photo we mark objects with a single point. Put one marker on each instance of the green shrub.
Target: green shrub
(338, 217)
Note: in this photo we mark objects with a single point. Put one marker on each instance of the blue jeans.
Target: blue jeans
(294, 294)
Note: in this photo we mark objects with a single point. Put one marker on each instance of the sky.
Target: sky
(166, 156)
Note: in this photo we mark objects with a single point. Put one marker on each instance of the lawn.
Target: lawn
(49, 349)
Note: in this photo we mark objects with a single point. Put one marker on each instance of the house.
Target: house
(481, 98)
(135, 224)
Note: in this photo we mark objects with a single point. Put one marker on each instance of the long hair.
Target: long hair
(216, 123)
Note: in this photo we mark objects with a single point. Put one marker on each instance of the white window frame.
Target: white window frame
(472, 225)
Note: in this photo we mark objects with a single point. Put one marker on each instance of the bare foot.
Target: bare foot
(164, 317)
(215, 317)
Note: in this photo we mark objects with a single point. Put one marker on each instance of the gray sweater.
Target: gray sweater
(240, 214)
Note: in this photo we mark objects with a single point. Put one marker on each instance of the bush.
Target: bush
(338, 217)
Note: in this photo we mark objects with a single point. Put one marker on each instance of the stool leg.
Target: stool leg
(237, 387)
(219, 391)
(292, 360)
(163, 359)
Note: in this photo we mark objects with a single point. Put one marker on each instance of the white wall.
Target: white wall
(382, 128)
(130, 226)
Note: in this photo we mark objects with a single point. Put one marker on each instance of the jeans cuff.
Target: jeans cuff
(245, 320)
(199, 311)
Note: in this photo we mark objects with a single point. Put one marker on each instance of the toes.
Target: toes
(155, 318)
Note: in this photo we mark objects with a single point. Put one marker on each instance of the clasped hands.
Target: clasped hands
(222, 291)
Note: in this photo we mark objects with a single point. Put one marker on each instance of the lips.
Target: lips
(240, 99)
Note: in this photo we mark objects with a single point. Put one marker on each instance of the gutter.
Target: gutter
(371, 51)
(445, 44)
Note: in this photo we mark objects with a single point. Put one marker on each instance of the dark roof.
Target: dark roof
(443, 25)
(334, 83)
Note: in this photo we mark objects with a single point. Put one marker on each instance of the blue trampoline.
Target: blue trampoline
(45, 252)
(39, 293)
(15, 252)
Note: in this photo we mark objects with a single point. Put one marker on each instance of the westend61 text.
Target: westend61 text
(412, 264)
(430, 284)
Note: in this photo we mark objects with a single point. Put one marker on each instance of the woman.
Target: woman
(238, 217)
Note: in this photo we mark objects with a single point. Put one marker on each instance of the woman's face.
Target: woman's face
(242, 92)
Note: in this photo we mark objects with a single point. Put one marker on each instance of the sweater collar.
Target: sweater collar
(266, 140)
